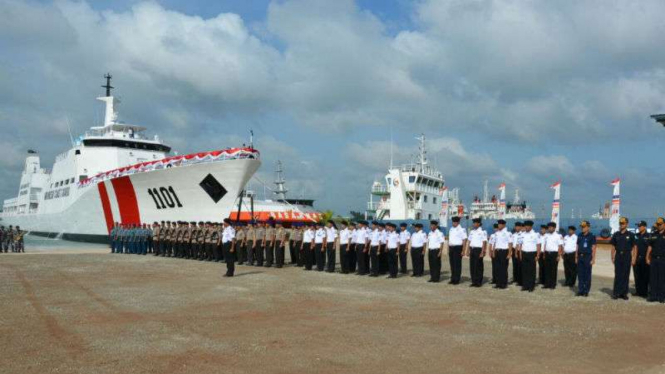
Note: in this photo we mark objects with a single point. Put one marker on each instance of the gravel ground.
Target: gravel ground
(100, 313)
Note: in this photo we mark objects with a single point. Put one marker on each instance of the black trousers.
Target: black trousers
(300, 259)
(392, 262)
(279, 254)
(229, 258)
(495, 269)
(641, 274)
(294, 251)
(366, 261)
(352, 257)
(374, 260)
(417, 261)
(551, 269)
(270, 253)
(344, 258)
(541, 269)
(501, 259)
(434, 265)
(242, 252)
(403, 255)
(570, 269)
(657, 278)
(308, 255)
(330, 254)
(383, 260)
(528, 271)
(258, 252)
(517, 268)
(475, 266)
(455, 260)
(209, 251)
(360, 255)
(320, 256)
(622, 261)
(156, 247)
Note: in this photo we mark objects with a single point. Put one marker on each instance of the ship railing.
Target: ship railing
(379, 189)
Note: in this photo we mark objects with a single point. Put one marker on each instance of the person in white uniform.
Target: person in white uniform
(392, 246)
(435, 242)
(457, 238)
(569, 250)
(227, 241)
(418, 241)
(476, 249)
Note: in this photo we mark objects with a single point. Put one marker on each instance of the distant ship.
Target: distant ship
(114, 173)
(281, 209)
(489, 208)
(411, 191)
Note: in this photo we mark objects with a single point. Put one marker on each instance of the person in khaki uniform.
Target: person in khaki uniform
(165, 241)
(185, 242)
(270, 244)
(208, 241)
(280, 244)
(200, 242)
(171, 239)
(155, 238)
(214, 239)
(250, 242)
(241, 249)
(180, 233)
(260, 243)
(293, 245)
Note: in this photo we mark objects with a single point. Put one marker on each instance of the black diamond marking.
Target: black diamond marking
(213, 188)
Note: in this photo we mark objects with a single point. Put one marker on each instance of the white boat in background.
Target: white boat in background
(489, 208)
(114, 173)
(411, 191)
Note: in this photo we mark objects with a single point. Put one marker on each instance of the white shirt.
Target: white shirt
(308, 236)
(228, 234)
(331, 234)
(492, 240)
(361, 237)
(477, 237)
(553, 241)
(384, 237)
(435, 239)
(570, 243)
(418, 239)
(344, 236)
(404, 237)
(319, 235)
(456, 236)
(375, 238)
(503, 238)
(517, 238)
(530, 241)
(393, 240)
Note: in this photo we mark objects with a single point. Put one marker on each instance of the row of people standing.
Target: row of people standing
(11, 239)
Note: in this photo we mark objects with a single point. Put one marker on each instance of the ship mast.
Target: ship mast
(516, 200)
(280, 190)
(422, 153)
(486, 192)
(110, 115)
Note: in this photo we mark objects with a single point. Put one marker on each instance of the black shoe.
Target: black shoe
(586, 294)
(614, 297)
(625, 297)
(651, 300)
(578, 294)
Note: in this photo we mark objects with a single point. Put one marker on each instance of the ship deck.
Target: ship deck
(84, 310)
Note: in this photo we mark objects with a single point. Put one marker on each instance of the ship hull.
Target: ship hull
(169, 194)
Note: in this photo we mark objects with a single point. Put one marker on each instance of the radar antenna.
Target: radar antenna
(108, 84)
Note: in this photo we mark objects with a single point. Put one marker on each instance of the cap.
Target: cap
(391, 225)
(382, 224)
(642, 224)
(528, 223)
(501, 222)
(623, 220)
(543, 226)
(403, 224)
(572, 228)
(419, 225)
(477, 220)
(455, 219)
(551, 224)
(375, 222)
(518, 224)
(585, 224)
(660, 221)
(434, 222)
(226, 220)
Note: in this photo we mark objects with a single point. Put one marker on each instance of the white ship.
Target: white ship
(114, 173)
(491, 208)
(281, 208)
(411, 191)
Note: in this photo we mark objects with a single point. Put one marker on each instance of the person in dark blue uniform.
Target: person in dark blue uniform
(656, 260)
(585, 258)
(623, 253)
(640, 266)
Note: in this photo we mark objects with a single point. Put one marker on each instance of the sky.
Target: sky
(522, 92)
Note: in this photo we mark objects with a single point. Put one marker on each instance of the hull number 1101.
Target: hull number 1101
(165, 198)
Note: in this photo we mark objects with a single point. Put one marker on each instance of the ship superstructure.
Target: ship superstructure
(410, 191)
(115, 173)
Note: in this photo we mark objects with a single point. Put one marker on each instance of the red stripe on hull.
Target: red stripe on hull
(106, 205)
(127, 202)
